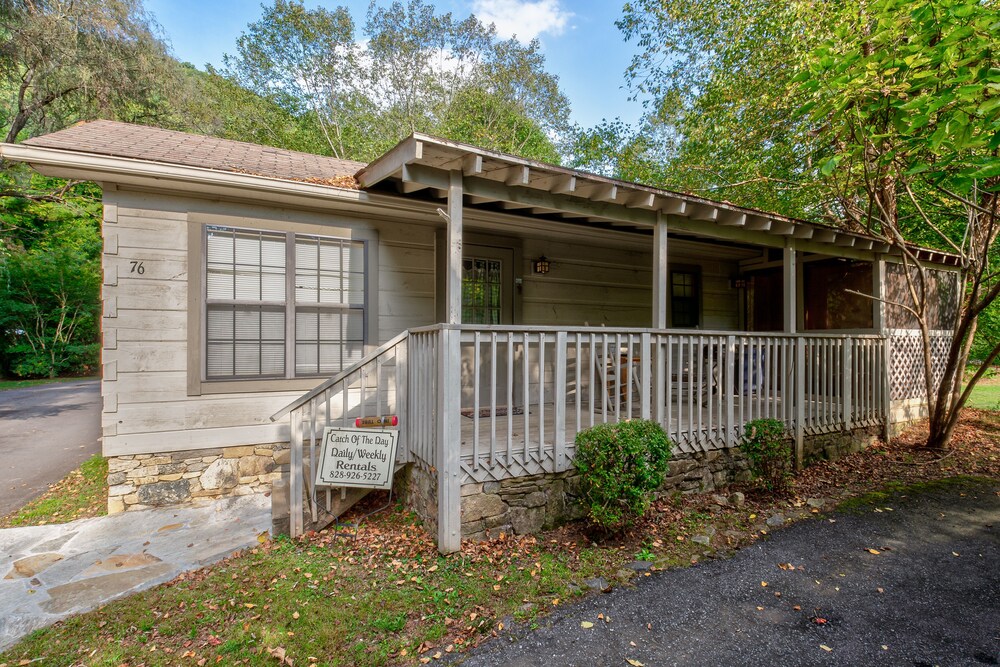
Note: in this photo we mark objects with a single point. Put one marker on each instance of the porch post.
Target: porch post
(453, 279)
(790, 317)
(449, 463)
(660, 276)
(879, 324)
(790, 267)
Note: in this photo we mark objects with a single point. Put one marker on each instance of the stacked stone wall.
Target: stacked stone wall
(525, 505)
(141, 481)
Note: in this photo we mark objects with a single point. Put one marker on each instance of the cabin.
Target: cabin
(495, 306)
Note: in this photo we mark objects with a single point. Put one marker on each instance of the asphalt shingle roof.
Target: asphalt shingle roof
(141, 142)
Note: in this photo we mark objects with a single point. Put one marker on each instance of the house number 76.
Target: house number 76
(137, 267)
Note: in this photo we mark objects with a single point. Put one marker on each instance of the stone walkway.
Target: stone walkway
(51, 572)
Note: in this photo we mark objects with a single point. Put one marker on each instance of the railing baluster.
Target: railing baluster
(670, 348)
(527, 397)
(493, 399)
(605, 389)
(541, 397)
(510, 396)
(578, 377)
(475, 401)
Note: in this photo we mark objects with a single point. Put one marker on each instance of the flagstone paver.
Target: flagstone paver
(50, 572)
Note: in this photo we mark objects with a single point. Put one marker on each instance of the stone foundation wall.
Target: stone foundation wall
(526, 505)
(418, 489)
(141, 481)
(832, 446)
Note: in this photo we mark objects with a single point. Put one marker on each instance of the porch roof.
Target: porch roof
(549, 192)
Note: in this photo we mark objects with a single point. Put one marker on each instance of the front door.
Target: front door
(487, 298)
(487, 285)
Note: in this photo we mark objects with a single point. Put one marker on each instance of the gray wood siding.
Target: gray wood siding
(147, 406)
(601, 285)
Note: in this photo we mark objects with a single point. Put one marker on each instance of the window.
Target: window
(481, 290)
(259, 281)
(684, 299)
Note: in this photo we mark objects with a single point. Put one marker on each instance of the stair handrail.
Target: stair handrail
(368, 358)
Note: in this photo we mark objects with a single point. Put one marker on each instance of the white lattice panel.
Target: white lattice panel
(906, 362)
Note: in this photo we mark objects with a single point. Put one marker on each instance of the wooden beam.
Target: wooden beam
(844, 241)
(863, 244)
(641, 200)
(758, 224)
(803, 232)
(391, 162)
(563, 185)
(605, 192)
(472, 165)
(824, 236)
(513, 206)
(517, 175)
(703, 212)
(673, 206)
(732, 218)
(782, 228)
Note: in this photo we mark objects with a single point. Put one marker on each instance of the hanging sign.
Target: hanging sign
(357, 457)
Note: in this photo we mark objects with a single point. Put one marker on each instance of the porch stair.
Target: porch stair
(373, 386)
(341, 499)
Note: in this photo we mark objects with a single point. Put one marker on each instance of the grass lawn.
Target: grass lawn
(389, 598)
(20, 384)
(986, 394)
(82, 493)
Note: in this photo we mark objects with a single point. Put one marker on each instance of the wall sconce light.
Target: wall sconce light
(739, 283)
(540, 265)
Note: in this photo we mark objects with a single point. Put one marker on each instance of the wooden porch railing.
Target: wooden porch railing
(374, 386)
(480, 403)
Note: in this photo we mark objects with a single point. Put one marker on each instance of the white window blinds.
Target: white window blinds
(249, 277)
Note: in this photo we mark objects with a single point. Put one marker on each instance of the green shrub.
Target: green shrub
(765, 444)
(620, 466)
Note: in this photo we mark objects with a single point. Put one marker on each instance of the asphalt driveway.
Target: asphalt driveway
(45, 432)
(928, 593)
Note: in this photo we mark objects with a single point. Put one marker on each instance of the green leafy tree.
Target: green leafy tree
(65, 60)
(907, 99)
(878, 116)
(413, 70)
(50, 280)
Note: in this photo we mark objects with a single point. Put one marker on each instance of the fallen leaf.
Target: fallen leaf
(955, 554)
(634, 663)
(786, 566)
(825, 647)
(586, 624)
(763, 584)
(797, 608)
(295, 615)
(884, 647)
(873, 551)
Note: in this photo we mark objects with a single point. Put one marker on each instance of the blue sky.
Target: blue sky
(581, 43)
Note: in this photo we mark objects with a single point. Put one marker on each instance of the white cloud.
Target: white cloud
(525, 19)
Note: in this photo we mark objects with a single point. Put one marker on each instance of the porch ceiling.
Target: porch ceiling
(494, 181)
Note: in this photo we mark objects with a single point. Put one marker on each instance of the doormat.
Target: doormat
(502, 411)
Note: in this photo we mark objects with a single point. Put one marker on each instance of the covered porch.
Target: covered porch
(745, 315)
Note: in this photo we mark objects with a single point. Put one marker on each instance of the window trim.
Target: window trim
(306, 224)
